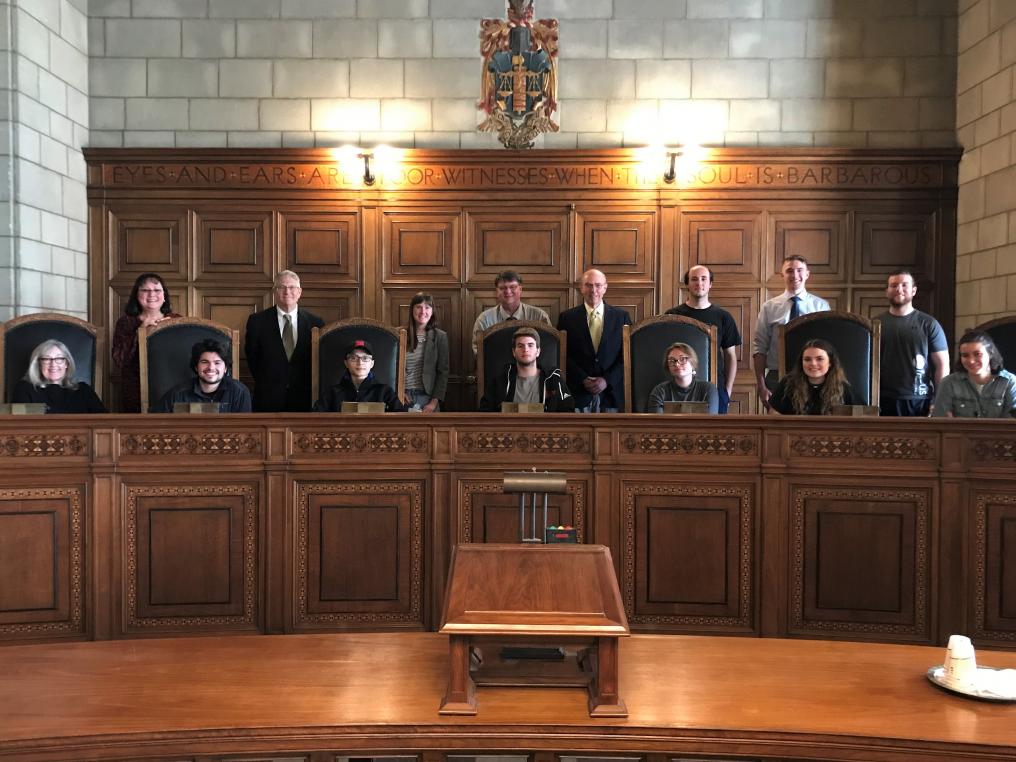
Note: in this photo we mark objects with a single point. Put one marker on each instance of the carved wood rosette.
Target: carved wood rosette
(994, 599)
(663, 443)
(886, 447)
(534, 442)
(318, 443)
(994, 450)
(657, 590)
(192, 558)
(42, 563)
(43, 445)
(862, 550)
(359, 556)
(485, 518)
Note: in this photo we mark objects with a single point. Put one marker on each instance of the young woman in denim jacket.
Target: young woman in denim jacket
(983, 389)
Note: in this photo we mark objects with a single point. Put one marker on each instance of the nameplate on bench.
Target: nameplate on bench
(195, 408)
(855, 410)
(363, 407)
(686, 408)
(521, 407)
(23, 408)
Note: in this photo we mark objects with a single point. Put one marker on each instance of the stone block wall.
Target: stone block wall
(406, 72)
(43, 260)
(986, 127)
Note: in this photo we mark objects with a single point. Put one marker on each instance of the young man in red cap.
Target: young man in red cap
(358, 384)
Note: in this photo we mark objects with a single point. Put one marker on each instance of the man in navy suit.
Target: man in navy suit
(277, 345)
(595, 360)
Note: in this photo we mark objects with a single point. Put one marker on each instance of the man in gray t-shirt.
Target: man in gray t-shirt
(914, 352)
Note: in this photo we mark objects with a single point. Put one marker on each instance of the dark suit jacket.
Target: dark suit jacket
(279, 384)
(583, 360)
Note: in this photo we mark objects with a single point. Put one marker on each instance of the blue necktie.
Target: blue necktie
(795, 307)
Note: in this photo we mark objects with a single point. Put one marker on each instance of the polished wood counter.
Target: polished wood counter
(312, 697)
(841, 528)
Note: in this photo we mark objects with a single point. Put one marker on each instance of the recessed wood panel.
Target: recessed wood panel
(618, 243)
(191, 558)
(535, 243)
(417, 245)
(331, 304)
(233, 243)
(42, 562)
(358, 556)
(324, 243)
(147, 240)
(638, 302)
(690, 559)
(860, 562)
(994, 563)
(820, 238)
(886, 242)
(487, 515)
(728, 243)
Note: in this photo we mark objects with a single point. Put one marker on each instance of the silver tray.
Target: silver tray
(937, 674)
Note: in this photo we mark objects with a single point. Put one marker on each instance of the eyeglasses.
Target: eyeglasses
(150, 291)
(360, 358)
(287, 288)
(52, 360)
(678, 360)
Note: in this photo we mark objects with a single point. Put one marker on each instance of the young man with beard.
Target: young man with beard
(525, 381)
(210, 384)
(911, 340)
(699, 281)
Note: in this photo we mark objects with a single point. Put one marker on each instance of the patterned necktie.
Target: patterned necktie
(288, 336)
(595, 328)
(795, 307)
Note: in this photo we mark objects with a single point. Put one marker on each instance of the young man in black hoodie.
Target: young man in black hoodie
(525, 381)
(358, 384)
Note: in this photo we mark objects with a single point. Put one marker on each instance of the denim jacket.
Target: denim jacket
(958, 395)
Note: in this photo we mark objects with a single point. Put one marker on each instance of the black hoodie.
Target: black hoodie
(371, 390)
(501, 388)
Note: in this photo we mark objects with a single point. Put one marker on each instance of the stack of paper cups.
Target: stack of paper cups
(960, 663)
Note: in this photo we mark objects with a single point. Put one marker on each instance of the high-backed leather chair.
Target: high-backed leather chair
(644, 346)
(19, 338)
(328, 353)
(1003, 332)
(164, 352)
(495, 349)
(855, 338)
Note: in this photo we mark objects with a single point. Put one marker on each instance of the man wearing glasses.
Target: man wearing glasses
(277, 346)
(358, 384)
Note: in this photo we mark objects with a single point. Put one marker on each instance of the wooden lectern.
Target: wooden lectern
(562, 599)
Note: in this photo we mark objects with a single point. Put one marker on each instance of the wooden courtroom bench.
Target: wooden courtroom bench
(316, 697)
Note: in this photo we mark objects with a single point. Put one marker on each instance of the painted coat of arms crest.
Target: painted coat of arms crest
(519, 93)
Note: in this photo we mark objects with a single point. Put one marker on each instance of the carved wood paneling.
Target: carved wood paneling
(147, 238)
(687, 556)
(322, 245)
(233, 243)
(191, 558)
(358, 555)
(684, 441)
(866, 551)
(536, 442)
(865, 447)
(535, 242)
(885, 242)
(820, 237)
(727, 242)
(331, 304)
(994, 565)
(42, 562)
(486, 514)
(168, 443)
(622, 243)
(421, 245)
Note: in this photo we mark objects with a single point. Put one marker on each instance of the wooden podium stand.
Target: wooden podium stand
(539, 596)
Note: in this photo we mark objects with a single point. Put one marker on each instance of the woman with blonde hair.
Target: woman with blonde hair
(50, 381)
(815, 385)
(681, 362)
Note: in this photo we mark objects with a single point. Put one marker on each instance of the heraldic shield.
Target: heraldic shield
(519, 91)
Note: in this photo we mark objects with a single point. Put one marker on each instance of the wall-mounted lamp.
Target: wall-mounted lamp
(671, 174)
(368, 176)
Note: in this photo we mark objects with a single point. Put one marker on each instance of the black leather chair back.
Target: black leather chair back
(166, 359)
(855, 339)
(1003, 333)
(331, 342)
(22, 335)
(496, 349)
(646, 344)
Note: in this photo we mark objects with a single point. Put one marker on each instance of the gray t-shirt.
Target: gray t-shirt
(528, 389)
(907, 343)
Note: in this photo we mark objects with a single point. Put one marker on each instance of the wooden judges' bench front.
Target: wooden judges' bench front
(129, 526)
